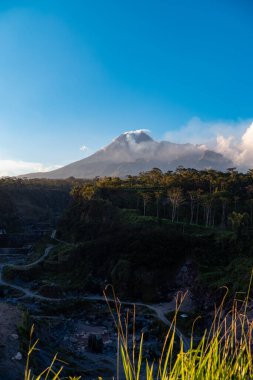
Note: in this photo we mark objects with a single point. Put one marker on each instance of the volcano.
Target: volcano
(136, 151)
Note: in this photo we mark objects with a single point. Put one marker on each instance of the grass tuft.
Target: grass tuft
(224, 351)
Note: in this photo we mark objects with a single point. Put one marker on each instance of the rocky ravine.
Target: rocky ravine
(71, 332)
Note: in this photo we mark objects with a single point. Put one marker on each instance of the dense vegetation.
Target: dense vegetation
(136, 232)
(208, 197)
(23, 201)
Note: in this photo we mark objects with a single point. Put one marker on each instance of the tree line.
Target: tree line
(206, 197)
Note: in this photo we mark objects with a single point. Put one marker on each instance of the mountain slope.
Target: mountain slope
(135, 151)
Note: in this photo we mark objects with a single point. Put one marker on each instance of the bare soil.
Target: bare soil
(10, 368)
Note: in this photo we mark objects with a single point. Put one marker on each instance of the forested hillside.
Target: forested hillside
(209, 198)
(24, 201)
(138, 232)
(150, 236)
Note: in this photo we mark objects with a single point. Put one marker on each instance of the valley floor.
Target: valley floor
(63, 329)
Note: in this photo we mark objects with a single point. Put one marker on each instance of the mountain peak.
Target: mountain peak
(138, 136)
(135, 151)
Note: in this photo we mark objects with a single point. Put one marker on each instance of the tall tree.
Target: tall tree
(158, 195)
(146, 199)
(175, 196)
(207, 201)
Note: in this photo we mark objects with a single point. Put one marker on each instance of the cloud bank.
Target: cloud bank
(232, 139)
(15, 167)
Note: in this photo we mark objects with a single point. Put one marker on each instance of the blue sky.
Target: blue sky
(78, 73)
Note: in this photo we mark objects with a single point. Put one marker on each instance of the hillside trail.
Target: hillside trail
(160, 310)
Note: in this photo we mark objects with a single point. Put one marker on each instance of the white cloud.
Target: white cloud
(246, 148)
(227, 146)
(197, 131)
(137, 131)
(17, 167)
(84, 148)
(233, 139)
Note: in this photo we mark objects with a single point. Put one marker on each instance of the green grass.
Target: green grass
(224, 352)
(133, 217)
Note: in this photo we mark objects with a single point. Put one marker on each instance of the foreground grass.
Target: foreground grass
(224, 352)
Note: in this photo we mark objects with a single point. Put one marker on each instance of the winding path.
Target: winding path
(27, 293)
